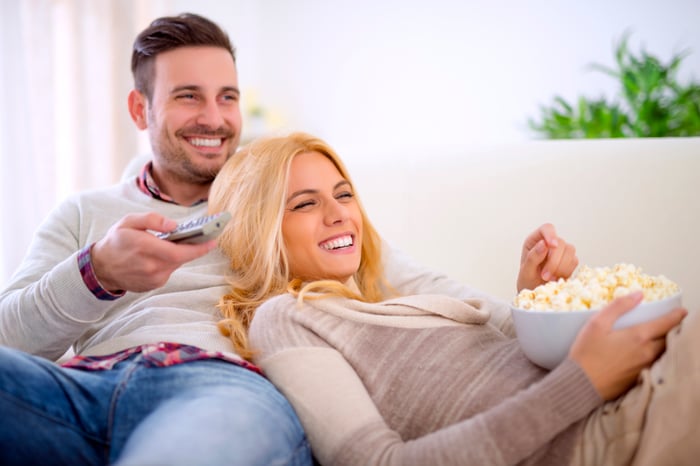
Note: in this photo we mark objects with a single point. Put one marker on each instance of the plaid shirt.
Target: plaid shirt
(157, 354)
(148, 185)
(161, 354)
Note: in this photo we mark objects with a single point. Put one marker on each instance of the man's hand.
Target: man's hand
(613, 359)
(131, 258)
(545, 257)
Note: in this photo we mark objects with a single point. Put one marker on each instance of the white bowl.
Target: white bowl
(546, 336)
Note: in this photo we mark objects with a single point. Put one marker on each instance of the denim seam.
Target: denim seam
(118, 390)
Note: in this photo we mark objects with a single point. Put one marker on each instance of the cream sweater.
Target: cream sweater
(419, 380)
(47, 308)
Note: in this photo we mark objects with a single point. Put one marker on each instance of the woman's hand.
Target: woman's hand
(613, 359)
(545, 257)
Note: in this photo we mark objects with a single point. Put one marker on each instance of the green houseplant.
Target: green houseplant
(651, 103)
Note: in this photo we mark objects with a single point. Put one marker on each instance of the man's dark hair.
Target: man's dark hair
(168, 33)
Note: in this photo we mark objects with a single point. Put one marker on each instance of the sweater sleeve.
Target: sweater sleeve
(46, 305)
(409, 277)
(345, 427)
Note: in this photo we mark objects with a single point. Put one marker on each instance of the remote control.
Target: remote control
(198, 230)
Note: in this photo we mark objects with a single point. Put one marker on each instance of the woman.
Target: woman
(378, 376)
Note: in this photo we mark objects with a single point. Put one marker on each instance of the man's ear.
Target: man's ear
(138, 106)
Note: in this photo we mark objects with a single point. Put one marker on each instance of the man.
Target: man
(154, 380)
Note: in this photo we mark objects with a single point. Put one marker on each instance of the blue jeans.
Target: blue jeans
(207, 412)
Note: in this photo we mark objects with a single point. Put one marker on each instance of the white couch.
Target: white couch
(622, 200)
(467, 214)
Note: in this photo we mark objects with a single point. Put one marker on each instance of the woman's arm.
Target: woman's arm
(345, 427)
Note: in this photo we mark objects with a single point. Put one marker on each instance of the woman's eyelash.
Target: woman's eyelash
(301, 205)
(345, 195)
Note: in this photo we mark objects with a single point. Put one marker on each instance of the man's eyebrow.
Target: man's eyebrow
(233, 89)
(193, 87)
(185, 87)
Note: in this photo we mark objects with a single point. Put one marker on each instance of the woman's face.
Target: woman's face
(322, 225)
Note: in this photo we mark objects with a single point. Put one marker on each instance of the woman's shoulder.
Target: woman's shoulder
(279, 324)
(274, 305)
(283, 313)
(271, 311)
(268, 324)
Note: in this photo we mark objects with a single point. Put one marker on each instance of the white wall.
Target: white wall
(397, 75)
(402, 79)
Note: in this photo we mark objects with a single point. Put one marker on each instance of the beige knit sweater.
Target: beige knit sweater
(418, 380)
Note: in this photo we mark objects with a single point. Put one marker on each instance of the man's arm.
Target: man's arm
(47, 306)
(65, 284)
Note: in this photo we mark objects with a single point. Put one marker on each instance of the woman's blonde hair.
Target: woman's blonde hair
(252, 186)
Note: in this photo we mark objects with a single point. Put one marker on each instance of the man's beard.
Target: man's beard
(176, 160)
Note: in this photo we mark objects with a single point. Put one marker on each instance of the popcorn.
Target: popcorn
(593, 288)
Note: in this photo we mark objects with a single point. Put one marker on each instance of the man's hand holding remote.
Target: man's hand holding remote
(131, 258)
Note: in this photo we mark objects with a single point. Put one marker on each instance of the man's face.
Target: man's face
(194, 118)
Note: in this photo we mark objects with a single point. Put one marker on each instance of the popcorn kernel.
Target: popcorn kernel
(593, 288)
